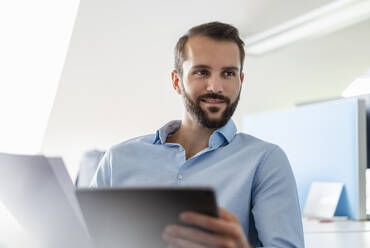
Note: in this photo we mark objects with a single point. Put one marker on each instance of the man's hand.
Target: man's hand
(227, 231)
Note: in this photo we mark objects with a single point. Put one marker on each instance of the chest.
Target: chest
(230, 177)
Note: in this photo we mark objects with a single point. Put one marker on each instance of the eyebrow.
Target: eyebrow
(200, 67)
(208, 67)
(233, 68)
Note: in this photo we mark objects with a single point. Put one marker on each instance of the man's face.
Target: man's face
(211, 80)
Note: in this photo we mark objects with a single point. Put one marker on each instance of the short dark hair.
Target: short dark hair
(214, 30)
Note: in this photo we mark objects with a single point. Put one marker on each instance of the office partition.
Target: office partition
(325, 142)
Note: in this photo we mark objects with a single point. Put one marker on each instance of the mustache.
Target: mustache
(214, 96)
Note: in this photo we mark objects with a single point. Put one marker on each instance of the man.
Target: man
(252, 179)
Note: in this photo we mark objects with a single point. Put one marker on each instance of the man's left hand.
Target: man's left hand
(227, 231)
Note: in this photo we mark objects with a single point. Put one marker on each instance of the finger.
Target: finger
(227, 215)
(180, 243)
(198, 236)
(212, 224)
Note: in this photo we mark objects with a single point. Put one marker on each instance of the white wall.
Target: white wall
(34, 39)
(116, 80)
(307, 71)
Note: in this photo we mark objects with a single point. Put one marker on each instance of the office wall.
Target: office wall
(116, 80)
(307, 71)
(32, 54)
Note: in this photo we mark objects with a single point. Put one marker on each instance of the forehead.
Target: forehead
(215, 53)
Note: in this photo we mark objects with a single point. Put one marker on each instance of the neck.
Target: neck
(192, 136)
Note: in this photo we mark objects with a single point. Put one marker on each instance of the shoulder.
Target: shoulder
(266, 155)
(133, 143)
(272, 166)
(250, 142)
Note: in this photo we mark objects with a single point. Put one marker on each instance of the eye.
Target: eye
(201, 73)
(229, 73)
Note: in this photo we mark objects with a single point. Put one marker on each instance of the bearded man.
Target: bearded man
(252, 179)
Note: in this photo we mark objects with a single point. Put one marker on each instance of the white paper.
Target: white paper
(322, 199)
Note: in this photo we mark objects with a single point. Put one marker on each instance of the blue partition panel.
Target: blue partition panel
(324, 142)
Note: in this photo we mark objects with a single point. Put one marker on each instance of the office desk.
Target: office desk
(337, 234)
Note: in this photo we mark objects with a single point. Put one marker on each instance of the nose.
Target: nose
(215, 85)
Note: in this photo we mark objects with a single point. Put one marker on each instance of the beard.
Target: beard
(201, 116)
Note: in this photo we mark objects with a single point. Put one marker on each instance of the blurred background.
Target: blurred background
(80, 75)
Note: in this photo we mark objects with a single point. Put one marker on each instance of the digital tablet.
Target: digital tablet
(136, 217)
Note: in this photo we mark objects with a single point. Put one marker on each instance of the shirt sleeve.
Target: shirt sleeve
(275, 204)
(103, 175)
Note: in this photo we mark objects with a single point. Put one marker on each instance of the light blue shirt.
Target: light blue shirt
(251, 178)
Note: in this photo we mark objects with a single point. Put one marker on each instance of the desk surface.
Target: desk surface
(314, 226)
(336, 234)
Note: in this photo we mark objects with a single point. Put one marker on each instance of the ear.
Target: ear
(176, 81)
(242, 77)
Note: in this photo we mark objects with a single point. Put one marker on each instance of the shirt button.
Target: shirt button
(179, 176)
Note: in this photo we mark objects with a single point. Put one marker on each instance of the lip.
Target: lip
(213, 101)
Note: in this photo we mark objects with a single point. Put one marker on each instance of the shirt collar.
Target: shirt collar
(168, 129)
(226, 132)
(218, 138)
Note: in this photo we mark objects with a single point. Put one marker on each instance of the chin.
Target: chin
(215, 119)
(215, 115)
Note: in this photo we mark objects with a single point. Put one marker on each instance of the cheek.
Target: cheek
(232, 90)
(194, 88)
